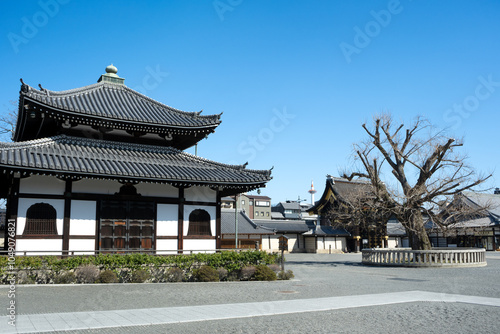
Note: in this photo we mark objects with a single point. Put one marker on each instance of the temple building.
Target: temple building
(336, 195)
(102, 168)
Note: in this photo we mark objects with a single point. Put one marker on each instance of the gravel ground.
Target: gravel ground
(316, 275)
(417, 318)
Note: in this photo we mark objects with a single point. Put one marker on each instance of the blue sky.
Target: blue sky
(295, 79)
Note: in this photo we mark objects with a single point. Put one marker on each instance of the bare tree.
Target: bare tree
(427, 171)
(8, 122)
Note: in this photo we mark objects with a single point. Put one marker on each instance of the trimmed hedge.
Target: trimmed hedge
(47, 269)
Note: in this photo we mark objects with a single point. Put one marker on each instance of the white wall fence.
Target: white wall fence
(437, 257)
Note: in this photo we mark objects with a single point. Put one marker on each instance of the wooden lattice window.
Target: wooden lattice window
(199, 223)
(41, 220)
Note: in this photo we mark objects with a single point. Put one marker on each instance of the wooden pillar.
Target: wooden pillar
(180, 222)
(67, 216)
(218, 216)
(12, 209)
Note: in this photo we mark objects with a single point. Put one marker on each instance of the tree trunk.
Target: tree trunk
(415, 228)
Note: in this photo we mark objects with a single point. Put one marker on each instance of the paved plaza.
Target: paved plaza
(331, 293)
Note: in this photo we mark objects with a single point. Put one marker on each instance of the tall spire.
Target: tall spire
(312, 192)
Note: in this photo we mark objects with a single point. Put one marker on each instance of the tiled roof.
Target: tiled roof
(290, 205)
(491, 218)
(106, 159)
(292, 215)
(287, 226)
(277, 215)
(245, 224)
(395, 228)
(491, 201)
(320, 230)
(106, 101)
(258, 197)
(339, 189)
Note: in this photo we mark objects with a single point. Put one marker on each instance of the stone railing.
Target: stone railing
(437, 257)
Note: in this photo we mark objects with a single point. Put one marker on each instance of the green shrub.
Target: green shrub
(233, 276)
(65, 278)
(247, 273)
(140, 276)
(43, 269)
(275, 267)
(264, 273)
(108, 276)
(174, 274)
(206, 274)
(222, 273)
(87, 273)
(285, 275)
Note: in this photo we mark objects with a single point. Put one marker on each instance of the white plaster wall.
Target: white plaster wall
(40, 184)
(200, 194)
(164, 245)
(82, 245)
(199, 244)
(161, 190)
(337, 245)
(274, 243)
(39, 245)
(190, 208)
(89, 186)
(167, 220)
(25, 203)
(293, 245)
(82, 220)
(320, 244)
(394, 242)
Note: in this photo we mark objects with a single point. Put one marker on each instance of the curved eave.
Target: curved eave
(62, 115)
(224, 186)
(78, 115)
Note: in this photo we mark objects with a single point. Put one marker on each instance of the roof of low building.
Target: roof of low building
(83, 157)
(245, 224)
(290, 205)
(395, 228)
(320, 230)
(277, 215)
(490, 201)
(258, 197)
(292, 215)
(287, 226)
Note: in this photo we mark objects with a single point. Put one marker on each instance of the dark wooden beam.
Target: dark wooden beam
(180, 222)
(67, 216)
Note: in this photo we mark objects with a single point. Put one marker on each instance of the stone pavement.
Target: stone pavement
(50, 322)
(313, 272)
